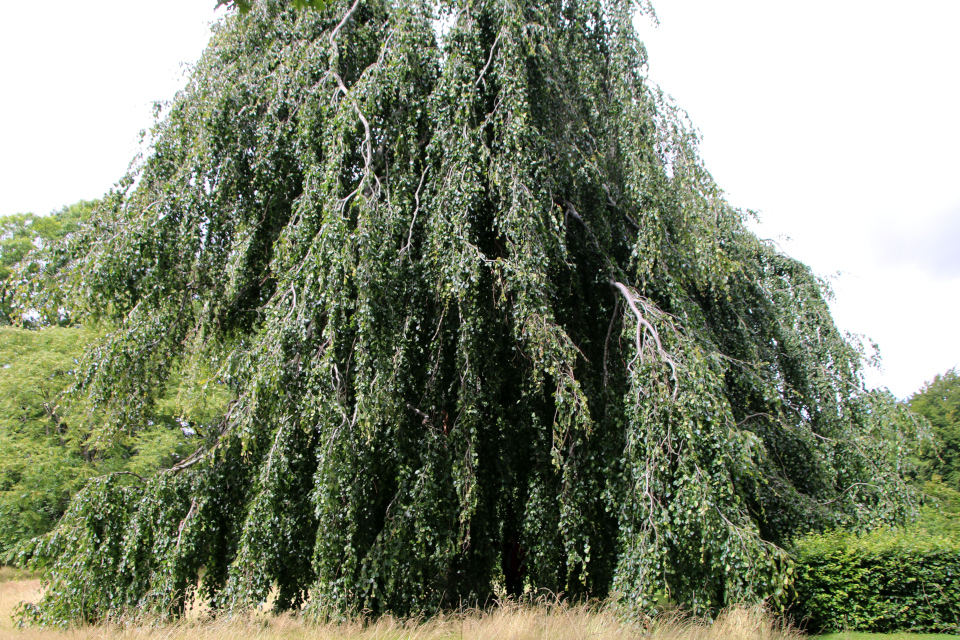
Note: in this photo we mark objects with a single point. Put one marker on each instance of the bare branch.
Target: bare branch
(336, 30)
(493, 49)
(416, 197)
(183, 523)
(644, 327)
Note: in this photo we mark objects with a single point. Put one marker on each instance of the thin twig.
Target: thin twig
(845, 491)
(420, 414)
(121, 473)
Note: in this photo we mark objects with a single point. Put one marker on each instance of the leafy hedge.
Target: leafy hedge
(880, 582)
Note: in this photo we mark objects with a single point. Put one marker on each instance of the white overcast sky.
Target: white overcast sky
(839, 121)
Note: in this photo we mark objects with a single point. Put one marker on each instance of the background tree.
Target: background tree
(48, 450)
(460, 289)
(23, 233)
(939, 457)
(940, 513)
(939, 402)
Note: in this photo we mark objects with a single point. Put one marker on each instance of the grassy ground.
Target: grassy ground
(507, 622)
(14, 588)
(9, 573)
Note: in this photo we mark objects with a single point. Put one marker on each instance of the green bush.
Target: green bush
(879, 582)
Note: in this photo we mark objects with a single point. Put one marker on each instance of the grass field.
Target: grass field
(549, 621)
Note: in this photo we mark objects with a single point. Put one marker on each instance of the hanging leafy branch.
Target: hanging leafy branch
(21, 235)
(47, 453)
(463, 287)
(244, 6)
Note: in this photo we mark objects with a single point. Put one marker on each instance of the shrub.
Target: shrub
(879, 582)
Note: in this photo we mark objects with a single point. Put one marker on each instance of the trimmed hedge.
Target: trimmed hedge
(879, 582)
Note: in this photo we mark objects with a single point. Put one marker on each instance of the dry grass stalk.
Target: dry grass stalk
(507, 621)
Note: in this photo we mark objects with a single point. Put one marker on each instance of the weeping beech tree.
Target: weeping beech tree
(465, 278)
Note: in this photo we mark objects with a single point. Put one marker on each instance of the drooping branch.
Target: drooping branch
(644, 327)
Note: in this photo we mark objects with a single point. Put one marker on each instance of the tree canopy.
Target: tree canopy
(466, 278)
(245, 5)
(21, 234)
(939, 402)
(47, 453)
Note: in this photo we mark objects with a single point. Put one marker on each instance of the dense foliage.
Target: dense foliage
(462, 287)
(881, 582)
(245, 5)
(48, 450)
(940, 511)
(939, 402)
(23, 233)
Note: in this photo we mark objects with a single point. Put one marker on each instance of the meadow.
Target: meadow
(508, 621)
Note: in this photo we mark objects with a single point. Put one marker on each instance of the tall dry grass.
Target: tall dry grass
(11, 573)
(13, 590)
(507, 621)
